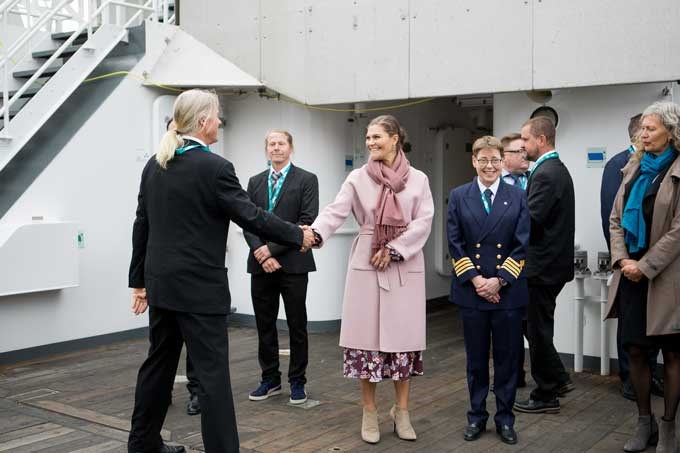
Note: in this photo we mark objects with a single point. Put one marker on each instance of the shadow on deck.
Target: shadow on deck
(82, 402)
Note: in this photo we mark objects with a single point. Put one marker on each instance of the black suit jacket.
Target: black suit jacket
(179, 237)
(550, 191)
(298, 202)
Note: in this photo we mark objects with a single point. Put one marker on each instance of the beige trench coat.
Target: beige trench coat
(382, 311)
(661, 263)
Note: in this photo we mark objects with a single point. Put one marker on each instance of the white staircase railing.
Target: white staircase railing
(87, 17)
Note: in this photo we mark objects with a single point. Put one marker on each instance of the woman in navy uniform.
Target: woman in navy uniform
(488, 232)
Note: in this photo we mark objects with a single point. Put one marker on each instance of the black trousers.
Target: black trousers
(479, 327)
(207, 345)
(546, 366)
(265, 290)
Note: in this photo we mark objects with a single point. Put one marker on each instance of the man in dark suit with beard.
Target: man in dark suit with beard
(550, 262)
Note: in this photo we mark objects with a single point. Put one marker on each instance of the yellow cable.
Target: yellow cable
(270, 96)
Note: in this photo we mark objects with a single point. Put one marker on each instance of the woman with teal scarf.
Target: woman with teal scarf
(645, 238)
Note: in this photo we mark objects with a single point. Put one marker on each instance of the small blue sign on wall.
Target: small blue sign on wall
(597, 157)
(349, 162)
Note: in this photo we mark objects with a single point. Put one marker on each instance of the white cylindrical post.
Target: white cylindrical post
(579, 301)
(604, 330)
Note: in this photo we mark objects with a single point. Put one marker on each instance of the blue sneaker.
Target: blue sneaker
(297, 393)
(264, 391)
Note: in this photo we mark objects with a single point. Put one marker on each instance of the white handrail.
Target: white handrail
(150, 6)
(7, 4)
(28, 34)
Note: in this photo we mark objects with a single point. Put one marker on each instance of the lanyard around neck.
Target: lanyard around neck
(184, 149)
(487, 207)
(543, 158)
(274, 195)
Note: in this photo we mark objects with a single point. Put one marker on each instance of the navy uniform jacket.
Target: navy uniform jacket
(493, 245)
(611, 181)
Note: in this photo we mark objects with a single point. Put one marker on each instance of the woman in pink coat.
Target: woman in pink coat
(383, 316)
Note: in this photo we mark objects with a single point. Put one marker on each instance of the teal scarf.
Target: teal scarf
(633, 220)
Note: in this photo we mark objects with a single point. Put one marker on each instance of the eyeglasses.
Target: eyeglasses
(514, 151)
(484, 162)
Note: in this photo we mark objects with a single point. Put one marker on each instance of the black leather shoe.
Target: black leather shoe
(473, 431)
(628, 391)
(193, 406)
(165, 448)
(565, 388)
(657, 386)
(538, 407)
(507, 433)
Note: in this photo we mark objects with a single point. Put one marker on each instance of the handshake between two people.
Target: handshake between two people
(270, 264)
(487, 288)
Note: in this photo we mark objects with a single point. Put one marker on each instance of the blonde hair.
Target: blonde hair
(486, 142)
(190, 108)
(669, 115)
(289, 137)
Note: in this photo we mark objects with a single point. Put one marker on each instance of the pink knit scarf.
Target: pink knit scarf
(389, 218)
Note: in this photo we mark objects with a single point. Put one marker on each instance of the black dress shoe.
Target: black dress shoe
(538, 407)
(507, 433)
(193, 406)
(565, 388)
(628, 391)
(165, 448)
(657, 386)
(473, 431)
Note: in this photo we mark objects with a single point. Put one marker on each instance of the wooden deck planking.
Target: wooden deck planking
(81, 402)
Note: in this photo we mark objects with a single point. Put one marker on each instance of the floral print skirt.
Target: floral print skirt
(377, 365)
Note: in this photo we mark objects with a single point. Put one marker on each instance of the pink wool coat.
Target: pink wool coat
(382, 311)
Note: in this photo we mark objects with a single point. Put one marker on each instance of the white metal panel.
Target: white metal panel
(283, 47)
(357, 50)
(231, 28)
(184, 53)
(581, 43)
(467, 46)
(40, 256)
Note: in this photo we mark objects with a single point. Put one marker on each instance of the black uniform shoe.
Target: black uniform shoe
(473, 431)
(657, 386)
(193, 406)
(507, 433)
(628, 391)
(165, 448)
(565, 388)
(538, 407)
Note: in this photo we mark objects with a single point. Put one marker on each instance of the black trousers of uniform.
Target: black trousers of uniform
(265, 290)
(479, 327)
(546, 366)
(207, 345)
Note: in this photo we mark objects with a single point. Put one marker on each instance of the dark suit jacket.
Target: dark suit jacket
(298, 202)
(611, 181)
(493, 245)
(179, 237)
(550, 194)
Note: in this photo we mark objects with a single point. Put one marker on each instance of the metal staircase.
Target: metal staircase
(43, 65)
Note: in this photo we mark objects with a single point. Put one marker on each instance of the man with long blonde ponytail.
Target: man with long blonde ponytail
(187, 198)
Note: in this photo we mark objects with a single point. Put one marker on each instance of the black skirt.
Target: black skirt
(632, 307)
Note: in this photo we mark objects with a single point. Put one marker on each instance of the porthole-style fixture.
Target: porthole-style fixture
(547, 112)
